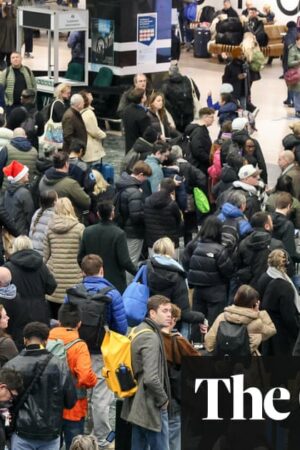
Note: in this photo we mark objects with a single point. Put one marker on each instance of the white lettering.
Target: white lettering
(212, 395)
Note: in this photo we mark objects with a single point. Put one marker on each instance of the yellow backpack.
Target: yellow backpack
(117, 370)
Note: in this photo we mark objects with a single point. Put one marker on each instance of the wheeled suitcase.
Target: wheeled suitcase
(201, 39)
(107, 171)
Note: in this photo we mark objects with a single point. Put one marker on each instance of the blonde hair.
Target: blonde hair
(21, 243)
(101, 184)
(64, 207)
(278, 259)
(175, 312)
(60, 88)
(249, 44)
(81, 442)
(164, 247)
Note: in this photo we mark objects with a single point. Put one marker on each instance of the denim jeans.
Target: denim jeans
(72, 428)
(18, 443)
(175, 432)
(144, 439)
(296, 101)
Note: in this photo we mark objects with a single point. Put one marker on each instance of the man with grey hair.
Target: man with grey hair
(73, 124)
(286, 162)
(140, 82)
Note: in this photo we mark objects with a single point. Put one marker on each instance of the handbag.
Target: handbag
(292, 76)
(53, 130)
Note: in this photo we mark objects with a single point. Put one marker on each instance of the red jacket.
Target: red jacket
(80, 365)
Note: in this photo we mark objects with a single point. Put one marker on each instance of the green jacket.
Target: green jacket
(7, 79)
(294, 61)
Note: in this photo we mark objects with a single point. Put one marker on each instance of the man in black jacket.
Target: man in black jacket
(228, 9)
(253, 251)
(48, 389)
(129, 207)
(200, 139)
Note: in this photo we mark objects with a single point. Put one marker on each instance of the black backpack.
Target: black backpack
(230, 233)
(93, 311)
(232, 340)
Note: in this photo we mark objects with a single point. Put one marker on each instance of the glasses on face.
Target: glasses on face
(12, 394)
(250, 145)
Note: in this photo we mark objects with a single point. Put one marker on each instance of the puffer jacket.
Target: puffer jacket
(259, 325)
(162, 218)
(61, 247)
(21, 150)
(40, 418)
(6, 136)
(131, 205)
(19, 205)
(207, 263)
(228, 111)
(39, 227)
(229, 211)
(167, 277)
(79, 362)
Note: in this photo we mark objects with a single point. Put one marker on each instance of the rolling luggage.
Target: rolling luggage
(106, 170)
(201, 39)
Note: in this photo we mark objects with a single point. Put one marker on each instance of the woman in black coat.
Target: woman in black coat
(32, 279)
(280, 299)
(167, 277)
(209, 268)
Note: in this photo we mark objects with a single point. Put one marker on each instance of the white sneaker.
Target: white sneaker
(255, 112)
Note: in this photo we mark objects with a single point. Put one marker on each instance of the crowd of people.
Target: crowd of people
(217, 245)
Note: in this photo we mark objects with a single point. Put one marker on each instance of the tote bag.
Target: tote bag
(53, 130)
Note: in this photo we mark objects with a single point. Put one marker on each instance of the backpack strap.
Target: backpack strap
(133, 333)
(70, 344)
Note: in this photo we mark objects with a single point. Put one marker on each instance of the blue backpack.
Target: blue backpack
(135, 298)
(190, 12)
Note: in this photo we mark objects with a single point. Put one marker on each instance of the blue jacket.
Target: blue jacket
(116, 313)
(157, 172)
(228, 111)
(229, 211)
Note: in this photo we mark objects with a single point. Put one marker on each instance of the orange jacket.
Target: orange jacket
(80, 365)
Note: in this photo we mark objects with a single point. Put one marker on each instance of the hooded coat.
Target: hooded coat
(167, 277)
(253, 254)
(61, 247)
(33, 281)
(259, 325)
(131, 206)
(162, 218)
(65, 186)
(19, 205)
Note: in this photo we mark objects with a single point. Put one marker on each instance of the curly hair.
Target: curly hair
(278, 260)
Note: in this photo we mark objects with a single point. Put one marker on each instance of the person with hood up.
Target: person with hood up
(57, 178)
(179, 91)
(61, 246)
(162, 215)
(167, 277)
(209, 268)
(33, 281)
(240, 134)
(17, 198)
(280, 299)
(245, 311)
(129, 210)
(20, 149)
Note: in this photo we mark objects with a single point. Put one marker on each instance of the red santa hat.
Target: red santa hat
(15, 171)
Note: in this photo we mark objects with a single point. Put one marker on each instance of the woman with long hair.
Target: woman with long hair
(158, 116)
(103, 192)
(41, 219)
(61, 247)
(94, 148)
(280, 299)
